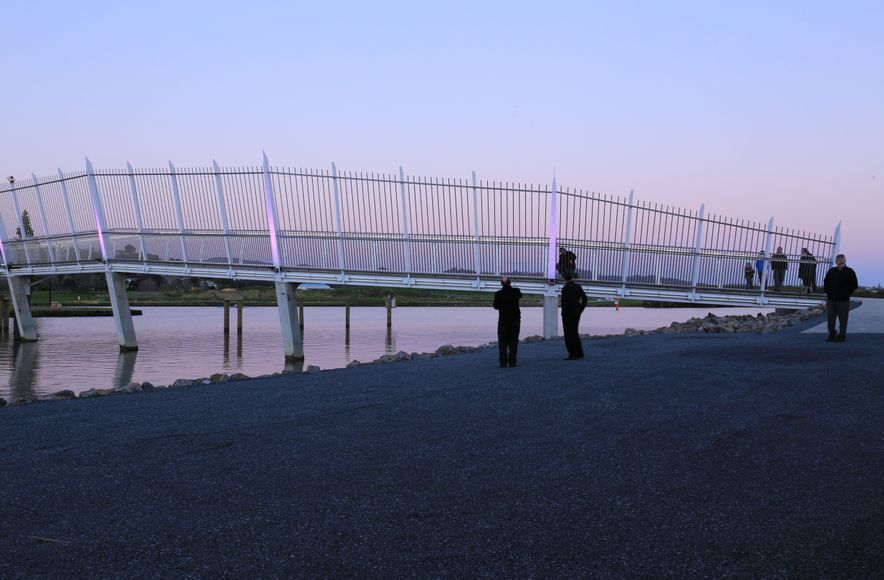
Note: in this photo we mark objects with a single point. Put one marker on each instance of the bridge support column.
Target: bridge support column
(289, 323)
(19, 290)
(550, 315)
(116, 286)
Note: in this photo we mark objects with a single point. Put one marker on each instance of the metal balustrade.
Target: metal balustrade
(281, 223)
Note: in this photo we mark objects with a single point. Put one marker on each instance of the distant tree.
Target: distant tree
(26, 221)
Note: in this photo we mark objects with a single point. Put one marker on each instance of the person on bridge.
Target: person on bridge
(573, 303)
(567, 262)
(759, 267)
(839, 283)
(509, 319)
(779, 263)
(749, 273)
(807, 271)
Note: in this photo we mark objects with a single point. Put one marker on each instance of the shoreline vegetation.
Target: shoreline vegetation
(711, 323)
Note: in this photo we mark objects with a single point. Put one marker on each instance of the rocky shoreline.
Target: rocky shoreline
(760, 324)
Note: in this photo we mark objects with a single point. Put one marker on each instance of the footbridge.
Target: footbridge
(291, 226)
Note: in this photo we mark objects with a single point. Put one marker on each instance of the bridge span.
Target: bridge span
(291, 226)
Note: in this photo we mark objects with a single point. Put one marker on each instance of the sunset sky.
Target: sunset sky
(756, 109)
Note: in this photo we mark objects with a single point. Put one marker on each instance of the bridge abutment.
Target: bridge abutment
(116, 286)
(289, 321)
(550, 316)
(19, 290)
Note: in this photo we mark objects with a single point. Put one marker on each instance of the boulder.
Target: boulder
(145, 386)
(312, 369)
(353, 363)
(179, 383)
(2, 402)
(533, 338)
(129, 389)
(220, 378)
(64, 394)
(23, 401)
(238, 377)
(446, 350)
(104, 392)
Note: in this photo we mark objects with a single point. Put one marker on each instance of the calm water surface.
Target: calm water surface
(82, 353)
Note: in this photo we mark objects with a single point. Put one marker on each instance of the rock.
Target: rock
(220, 378)
(312, 369)
(353, 363)
(446, 350)
(203, 381)
(129, 389)
(65, 394)
(238, 377)
(22, 401)
(533, 338)
(145, 386)
(2, 402)
(179, 383)
(630, 332)
(104, 392)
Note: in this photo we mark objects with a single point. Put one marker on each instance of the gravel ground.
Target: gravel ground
(658, 456)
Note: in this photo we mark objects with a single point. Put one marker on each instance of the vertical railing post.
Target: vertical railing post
(136, 211)
(222, 211)
(21, 224)
(3, 250)
(766, 264)
(550, 300)
(69, 214)
(97, 210)
(179, 215)
(553, 233)
(695, 276)
(405, 220)
(627, 236)
(43, 221)
(272, 222)
(338, 221)
(836, 243)
(476, 249)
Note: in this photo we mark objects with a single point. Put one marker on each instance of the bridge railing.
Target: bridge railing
(343, 222)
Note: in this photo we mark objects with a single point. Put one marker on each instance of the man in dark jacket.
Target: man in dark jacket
(839, 283)
(807, 271)
(779, 263)
(509, 319)
(567, 262)
(573, 304)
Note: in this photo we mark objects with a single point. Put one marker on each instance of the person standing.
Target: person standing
(759, 268)
(807, 271)
(778, 265)
(567, 262)
(573, 303)
(509, 320)
(839, 283)
(749, 273)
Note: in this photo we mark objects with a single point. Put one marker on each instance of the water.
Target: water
(82, 353)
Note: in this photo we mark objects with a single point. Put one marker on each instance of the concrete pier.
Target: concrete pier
(116, 286)
(20, 291)
(293, 343)
(550, 314)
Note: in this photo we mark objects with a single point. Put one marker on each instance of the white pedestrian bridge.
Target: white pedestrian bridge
(290, 226)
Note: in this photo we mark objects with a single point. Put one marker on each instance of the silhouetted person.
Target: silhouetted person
(509, 319)
(567, 263)
(749, 273)
(779, 263)
(840, 282)
(807, 270)
(573, 303)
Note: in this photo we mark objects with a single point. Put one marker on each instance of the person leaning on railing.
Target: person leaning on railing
(779, 263)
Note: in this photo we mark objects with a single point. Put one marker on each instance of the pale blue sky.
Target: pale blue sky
(758, 109)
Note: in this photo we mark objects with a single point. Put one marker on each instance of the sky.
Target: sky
(755, 109)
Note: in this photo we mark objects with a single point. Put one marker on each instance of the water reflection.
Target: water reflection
(125, 368)
(25, 362)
